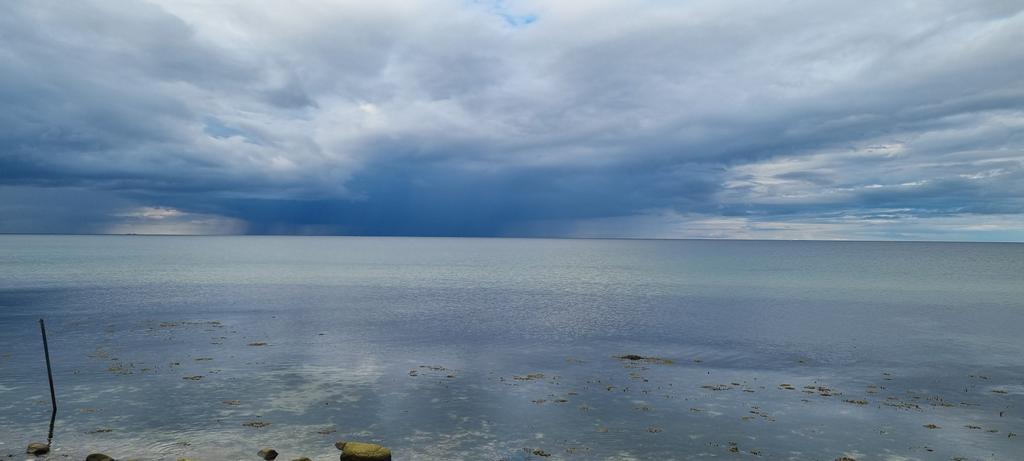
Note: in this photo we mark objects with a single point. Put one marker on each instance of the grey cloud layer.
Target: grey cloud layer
(635, 118)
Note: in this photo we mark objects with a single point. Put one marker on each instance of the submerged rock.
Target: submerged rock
(267, 453)
(37, 448)
(360, 451)
(302, 459)
(643, 359)
(98, 457)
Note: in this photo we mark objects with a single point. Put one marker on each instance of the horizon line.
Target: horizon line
(58, 234)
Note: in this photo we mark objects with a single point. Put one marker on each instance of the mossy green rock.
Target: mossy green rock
(359, 451)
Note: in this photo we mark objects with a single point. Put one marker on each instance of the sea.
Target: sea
(211, 348)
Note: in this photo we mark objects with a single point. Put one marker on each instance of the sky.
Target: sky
(801, 119)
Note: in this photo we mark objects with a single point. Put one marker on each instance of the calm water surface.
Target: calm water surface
(489, 349)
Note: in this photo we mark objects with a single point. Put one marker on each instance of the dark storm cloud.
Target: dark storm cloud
(597, 118)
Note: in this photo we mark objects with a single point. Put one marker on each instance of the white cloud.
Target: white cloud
(169, 221)
(149, 212)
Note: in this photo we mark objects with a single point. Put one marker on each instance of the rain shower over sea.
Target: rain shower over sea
(211, 348)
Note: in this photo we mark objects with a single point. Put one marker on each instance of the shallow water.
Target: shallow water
(488, 349)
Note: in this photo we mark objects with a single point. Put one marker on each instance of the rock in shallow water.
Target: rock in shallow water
(98, 457)
(37, 448)
(267, 454)
(359, 451)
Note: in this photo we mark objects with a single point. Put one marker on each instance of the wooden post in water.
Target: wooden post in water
(49, 375)
(36, 448)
